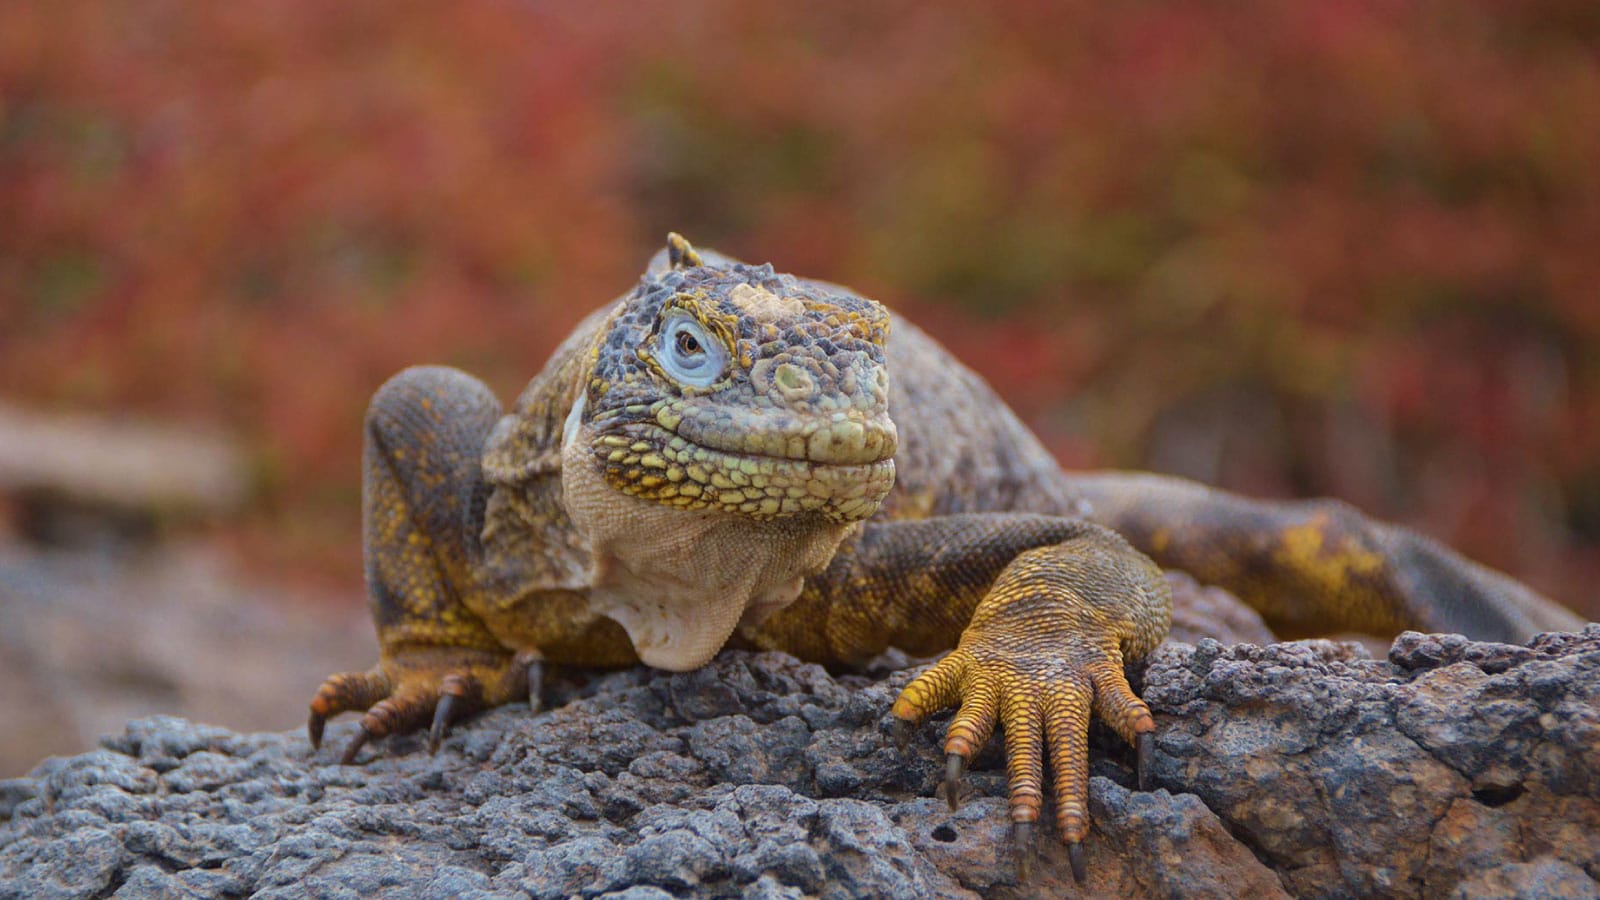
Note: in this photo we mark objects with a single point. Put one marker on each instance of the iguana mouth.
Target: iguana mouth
(650, 462)
(833, 437)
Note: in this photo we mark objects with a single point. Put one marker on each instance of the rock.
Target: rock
(1405, 777)
(1306, 769)
(1543, 879)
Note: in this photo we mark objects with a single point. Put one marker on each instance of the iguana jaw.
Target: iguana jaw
(678, 580)
(648, 462)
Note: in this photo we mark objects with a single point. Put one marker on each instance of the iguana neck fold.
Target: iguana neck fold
(680, 581)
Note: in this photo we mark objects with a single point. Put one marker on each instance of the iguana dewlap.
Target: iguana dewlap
(728, 456)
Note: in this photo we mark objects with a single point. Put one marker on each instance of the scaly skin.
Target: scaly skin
(711, 461)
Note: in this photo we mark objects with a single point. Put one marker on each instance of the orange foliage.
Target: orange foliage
(1291, 248)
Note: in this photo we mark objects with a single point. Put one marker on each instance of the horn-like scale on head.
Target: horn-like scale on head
(725, 386)
(680, 252)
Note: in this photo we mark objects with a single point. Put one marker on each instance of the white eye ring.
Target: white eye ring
(688, 353)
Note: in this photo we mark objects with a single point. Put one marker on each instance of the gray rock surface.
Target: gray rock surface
(1450, 769)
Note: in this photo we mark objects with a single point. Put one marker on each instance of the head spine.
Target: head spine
(680, 253)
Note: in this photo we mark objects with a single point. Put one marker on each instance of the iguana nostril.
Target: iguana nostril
(793, 382)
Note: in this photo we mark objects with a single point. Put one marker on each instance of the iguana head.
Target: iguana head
(725, 386)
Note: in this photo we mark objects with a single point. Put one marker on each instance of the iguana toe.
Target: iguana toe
(429, 687)
(354, 747)
(344, 692)
(1045, 699)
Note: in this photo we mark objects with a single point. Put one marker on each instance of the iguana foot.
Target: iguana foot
(419, 687)
(1043, 692)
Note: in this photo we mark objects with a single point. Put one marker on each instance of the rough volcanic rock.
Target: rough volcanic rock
(1452, 764)
(1452, 768)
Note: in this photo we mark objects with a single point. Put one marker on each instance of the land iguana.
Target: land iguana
(729, 456)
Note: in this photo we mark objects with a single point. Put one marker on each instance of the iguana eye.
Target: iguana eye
(690, 355)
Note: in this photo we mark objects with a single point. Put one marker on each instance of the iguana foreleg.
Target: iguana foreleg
(1052, 608)
(425, 430)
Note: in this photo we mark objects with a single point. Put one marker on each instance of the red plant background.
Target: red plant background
(1349, 249)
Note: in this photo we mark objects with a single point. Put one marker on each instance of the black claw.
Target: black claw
(1022, 837)
(954, 764)
(901, 732)
(356, 743)
(443, 714)
(314, 730)
(1147, 746)
(535, 686)
(1080, 871)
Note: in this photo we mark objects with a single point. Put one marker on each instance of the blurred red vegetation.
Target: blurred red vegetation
(1344, 249)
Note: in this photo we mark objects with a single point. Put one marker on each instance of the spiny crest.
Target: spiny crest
(680, 253)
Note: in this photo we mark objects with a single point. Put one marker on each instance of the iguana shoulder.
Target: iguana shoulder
(962, 450)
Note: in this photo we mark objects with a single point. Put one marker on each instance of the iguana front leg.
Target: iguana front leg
(1044, 612)
(425, 431)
